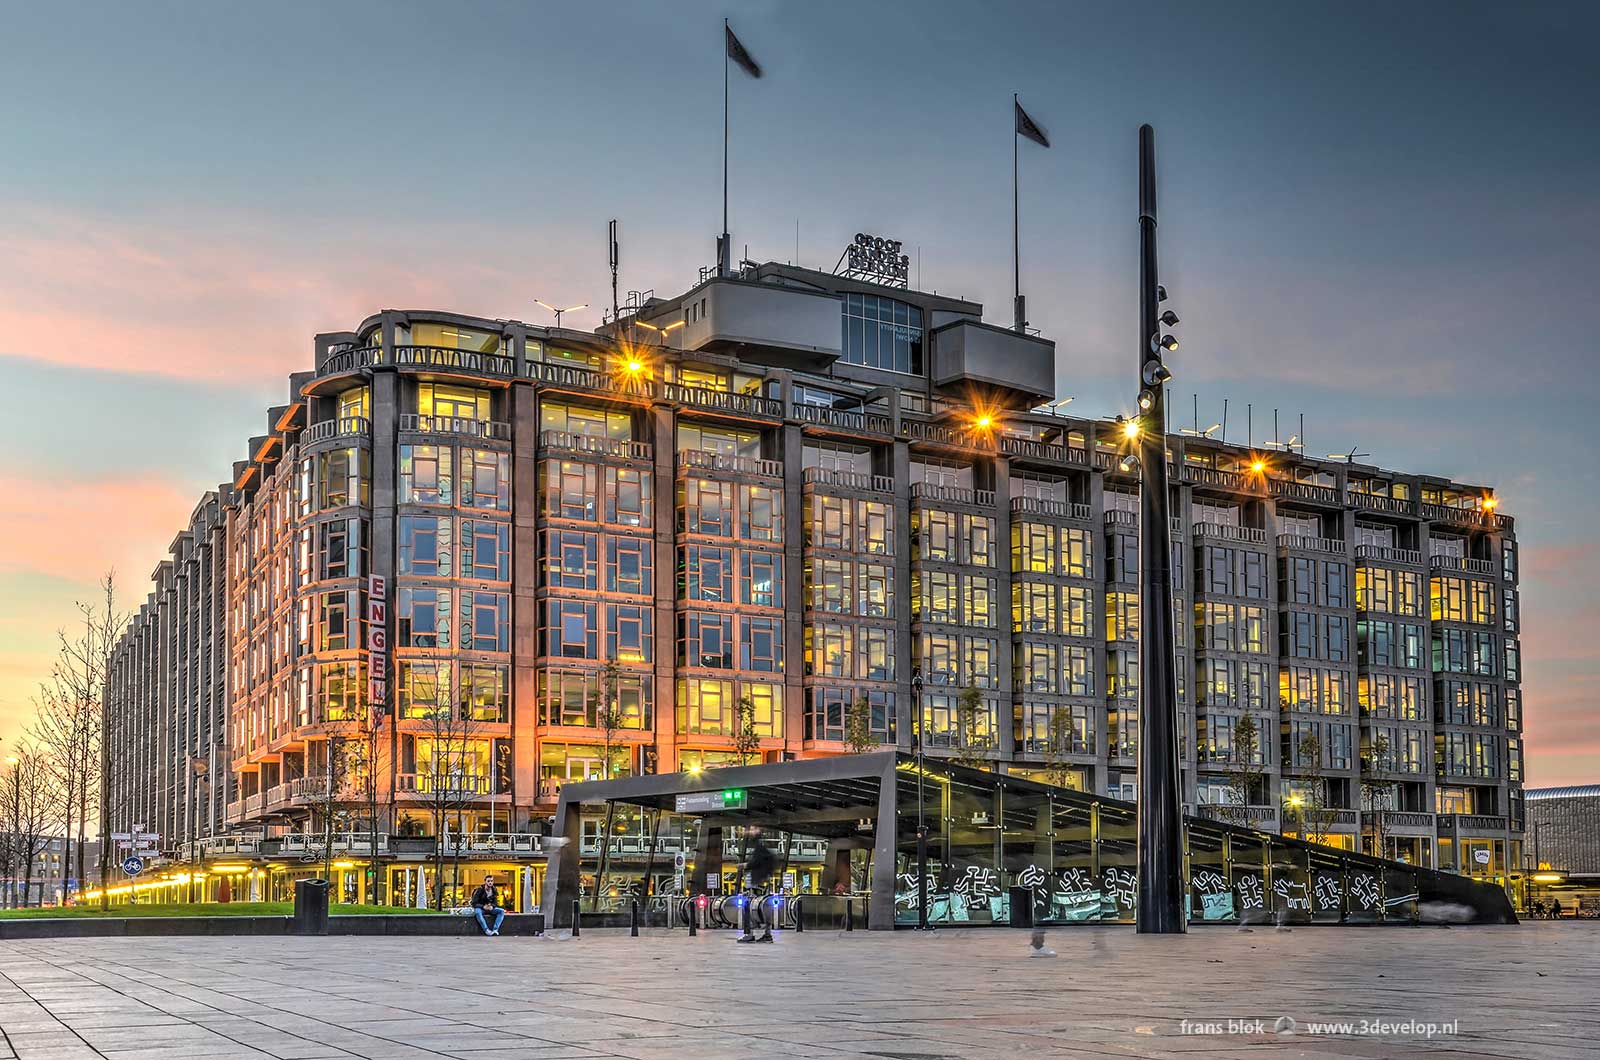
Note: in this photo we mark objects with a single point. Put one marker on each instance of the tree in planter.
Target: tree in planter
(27, 816)
(746, 737)
(1058, 745)
(1246, 774)
(343, 759)
(1376, 795)
(1315, 814)
(858, 734)
(970, 744)
(608, 713)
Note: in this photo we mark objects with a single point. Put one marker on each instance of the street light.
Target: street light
(664, 330)
(922, 828)
(558, 312)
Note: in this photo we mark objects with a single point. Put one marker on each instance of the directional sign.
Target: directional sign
(711, 801)
(133, 865)
(679, 861)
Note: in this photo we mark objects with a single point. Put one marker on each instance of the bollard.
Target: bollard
(849, 914)
(744, 915)
(691, 917)
(799, 921)
(633, 926)
(577, 917)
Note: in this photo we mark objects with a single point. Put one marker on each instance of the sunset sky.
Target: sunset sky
(1382, 216)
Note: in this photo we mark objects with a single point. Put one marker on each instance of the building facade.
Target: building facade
(790, 514)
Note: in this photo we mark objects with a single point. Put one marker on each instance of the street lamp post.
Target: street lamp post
(1160, 908)
(922, 827)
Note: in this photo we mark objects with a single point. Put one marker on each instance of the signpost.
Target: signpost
(133, 864)
(712, 801)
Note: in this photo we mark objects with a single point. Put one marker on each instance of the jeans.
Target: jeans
(499, 915)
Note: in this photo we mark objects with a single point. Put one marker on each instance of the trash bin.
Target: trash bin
(1020, 902)
(310, 908)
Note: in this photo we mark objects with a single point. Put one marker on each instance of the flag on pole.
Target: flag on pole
(737, 53)
(1026, 126)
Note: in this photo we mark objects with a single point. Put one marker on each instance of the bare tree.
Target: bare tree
(1058, 744)
(1246, 772)
(451, 778)
(970, 744)
(27, 814)
(1316, 816)
(608, 713)
(1377, 794)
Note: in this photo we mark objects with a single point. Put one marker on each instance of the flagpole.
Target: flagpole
(722, 244)
(1016, 228)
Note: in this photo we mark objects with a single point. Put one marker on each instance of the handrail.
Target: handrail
(1248, 534)
(1303, 491)
(583, 443)
(929, 491)
(349, 359)
(1046, 506)
(844, 419)
(479, 363)
(493, 429)
(1461, 563)
(855, 480)
(336, 428)
(1388, 554)
(1330, 545)
(723, 400)
(701, 460)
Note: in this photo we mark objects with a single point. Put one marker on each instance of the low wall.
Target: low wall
(146, 926)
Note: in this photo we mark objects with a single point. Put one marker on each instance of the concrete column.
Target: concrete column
(900, 469)
(662, 432)
(1002, 607)
(880, 906)
(561, 871)
(525, 617)
(794, 601)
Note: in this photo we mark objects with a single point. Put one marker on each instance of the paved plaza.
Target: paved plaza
(1521, 991)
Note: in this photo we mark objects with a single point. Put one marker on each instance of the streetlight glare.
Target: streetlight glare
(1130, 429)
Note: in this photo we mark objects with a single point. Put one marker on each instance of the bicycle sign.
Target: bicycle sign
(133, 865)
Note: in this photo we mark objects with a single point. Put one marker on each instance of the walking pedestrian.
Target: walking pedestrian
(759, 863)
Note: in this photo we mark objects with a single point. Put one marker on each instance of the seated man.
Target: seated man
(486, 899)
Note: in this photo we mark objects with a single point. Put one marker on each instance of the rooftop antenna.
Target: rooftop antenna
(1349, 457)
(797, 242)
(1249, 426)
(1197, 413)
(1224, 421)
(615, 249)
(1302, 434)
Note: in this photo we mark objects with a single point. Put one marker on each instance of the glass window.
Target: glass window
(485, 621)
(485, 479)
(486, 550)
(630, 565)
(628, 497)
(880, 332)
(569, 489)
(425, 546)
(453, 402)
(422, 617)
(761, 513)
(760, 579)
(705, 572)
(628, 633)
(485, 692)
(571, 630)
(423, 689)
(571, 559)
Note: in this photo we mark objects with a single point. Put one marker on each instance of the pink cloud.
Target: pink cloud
(63, 527)
(214, 296)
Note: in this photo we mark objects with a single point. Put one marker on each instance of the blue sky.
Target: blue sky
(1381, 216)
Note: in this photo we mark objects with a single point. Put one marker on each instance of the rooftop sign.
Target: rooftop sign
(877, 260)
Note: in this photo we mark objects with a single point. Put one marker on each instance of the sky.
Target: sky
(1383, 217)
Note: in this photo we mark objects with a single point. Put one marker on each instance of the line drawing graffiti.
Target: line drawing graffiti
(979, 883)
(1364, 889)
(1328, 892)
(1250, 893)
(1293, 894)
(1207, 881)
(1121, 885)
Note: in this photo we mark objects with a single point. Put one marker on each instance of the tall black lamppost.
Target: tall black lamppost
(1161, 898)
(922, 827)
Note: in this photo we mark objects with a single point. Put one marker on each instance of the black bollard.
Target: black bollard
(799, 921)
(691, 917)
(633, 926)
(744, 915)
(577, 917)
(849, 914)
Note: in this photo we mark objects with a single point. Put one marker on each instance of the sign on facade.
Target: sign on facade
(378, 644)
(711, 801)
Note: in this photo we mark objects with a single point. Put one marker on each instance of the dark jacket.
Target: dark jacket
(486, 896)
(759, 863)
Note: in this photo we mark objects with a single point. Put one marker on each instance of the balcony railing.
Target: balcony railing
(444, 357)
(229, 845)
(933, 432)
(311, 844)
(1051, 452)
(1457, 823)
(1373, 503)
(456, 425)
(353, 359)
(442, 785)
(344, 426)
(723, 400)
(577, 377)
(1253, 816)
(1405, 819)
(854, 480)
(701, 460)
(312, 788)
(929, 491)
(1387, 554)
(1045, 506)
(1217, 531)
(1304, 491)
(1470, 566)
(1118, 517)
(844, 419)
(1311, 544)
(489, 845)
(582, 443)
(1210, 476)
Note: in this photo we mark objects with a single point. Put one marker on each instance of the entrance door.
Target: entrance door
(582, 767)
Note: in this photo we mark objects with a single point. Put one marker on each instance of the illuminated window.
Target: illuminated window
(453, 402)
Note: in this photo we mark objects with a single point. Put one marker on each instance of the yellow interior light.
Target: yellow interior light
(694, 770)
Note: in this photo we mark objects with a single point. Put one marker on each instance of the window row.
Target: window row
(1231, 627)
(334, 548)
(1314, 690)
(423, 617)
(1395, 592)
(1457, 599)
(834, 649)
(1469, 703)
(591, 493)
(955, 599)
(335, 478)
(706, 573)
(448, 692)
(614, 563)
(1468, 754)
(1053, 669)
(849, 587)
(584, 698)
(1232, 572)
(1314, 582)
(711, 707)
(1042, 548)
(433, 474)
(1057, 728)
(1459, 651)
(1384, 643)
(1233, 683)
(1225, 738)
(706, 639)
(858, 716)
(952, 719)
(1397, 749)
(1314, 745)
(1392, 696)
(953, 537)
(1049, 607)
(847, 525)
(587, 629)
(1315, 636)
(957, 660)
(428, 547)
(716, 508)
